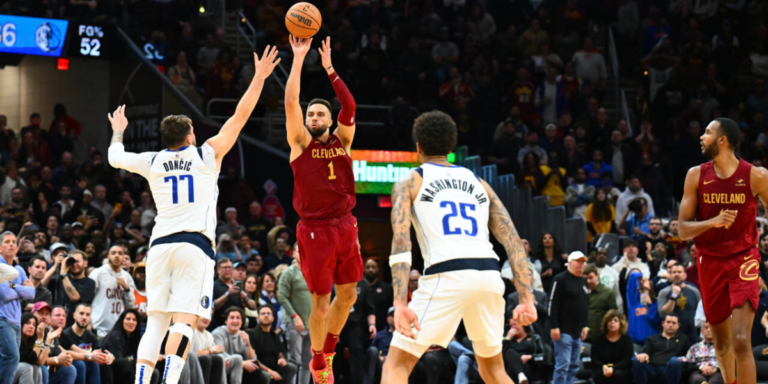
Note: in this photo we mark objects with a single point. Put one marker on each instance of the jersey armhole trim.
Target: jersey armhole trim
(200, 152)
(153, 159)
(420, 171)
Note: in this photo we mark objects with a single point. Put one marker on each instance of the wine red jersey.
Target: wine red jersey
(323, 183)
(734, 193)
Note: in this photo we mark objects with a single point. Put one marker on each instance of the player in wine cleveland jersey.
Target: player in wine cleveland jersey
(183, 179)
(323, 196)
(719, 211)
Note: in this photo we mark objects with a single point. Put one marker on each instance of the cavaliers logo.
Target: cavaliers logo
(749, 270)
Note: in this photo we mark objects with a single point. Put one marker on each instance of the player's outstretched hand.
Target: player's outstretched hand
(525, 314)
(300, 46)
(118, 120)
(725, 218)
(325, 54)
(404, 318)
(267, 64)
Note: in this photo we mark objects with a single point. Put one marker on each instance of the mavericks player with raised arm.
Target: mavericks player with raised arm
(451, 210)
(180, 263)
(323, 196)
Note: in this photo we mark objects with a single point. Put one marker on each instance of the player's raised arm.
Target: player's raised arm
(228, 134)
(400, 260)
(298, 136)
(346, 119)
(117, 156)
(759, 183)
(505, 233)
(689, 227)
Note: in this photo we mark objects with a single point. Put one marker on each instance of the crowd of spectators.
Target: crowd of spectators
(527, 83)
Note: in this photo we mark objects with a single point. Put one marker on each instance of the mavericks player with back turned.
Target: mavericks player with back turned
(451, 209)
(180, 263)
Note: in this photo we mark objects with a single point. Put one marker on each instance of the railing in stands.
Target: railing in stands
(625, 112)
(252, 44)
(614, 66)
(185, 102)
(225, 104)
(533, 216)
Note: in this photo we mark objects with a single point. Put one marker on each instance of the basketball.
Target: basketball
(303, 20)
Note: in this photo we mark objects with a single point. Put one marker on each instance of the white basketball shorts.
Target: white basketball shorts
(444, 299)
(179, 280)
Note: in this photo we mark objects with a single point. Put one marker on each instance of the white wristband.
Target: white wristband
(404, 257)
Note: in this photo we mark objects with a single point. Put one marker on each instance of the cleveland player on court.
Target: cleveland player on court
(451, 210)
(180, 263)
(323, 196)
(718, 212)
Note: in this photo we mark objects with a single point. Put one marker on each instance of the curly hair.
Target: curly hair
(610, 316)
(436, 133)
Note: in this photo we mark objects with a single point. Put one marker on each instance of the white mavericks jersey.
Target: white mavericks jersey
(183, 183)
(450, 215)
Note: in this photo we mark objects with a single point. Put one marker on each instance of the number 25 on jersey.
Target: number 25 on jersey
(175, 185)
(463, 207)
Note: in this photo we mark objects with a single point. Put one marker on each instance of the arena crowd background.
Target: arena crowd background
(583, 114)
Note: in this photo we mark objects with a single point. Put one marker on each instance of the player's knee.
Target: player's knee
(185, 332)
(347, 298)
(723, 346)
(742, 343)
(321, 309)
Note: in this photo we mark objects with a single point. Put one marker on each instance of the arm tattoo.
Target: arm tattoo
(401, 215)
(117, 137)
(400, 281)
(504, 231)
(401, 241)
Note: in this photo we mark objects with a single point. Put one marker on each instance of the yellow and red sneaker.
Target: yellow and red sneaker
(325, 375)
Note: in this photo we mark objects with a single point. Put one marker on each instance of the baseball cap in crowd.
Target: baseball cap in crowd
(57, 246)
(391, 311)
(576, 255)
(551, 126)
(77, 224)
(230, 209)
(140, 264)
(224, 237)
(39, 306)
(142, 249)
(239, 264)
(87, 192)
(629, 242)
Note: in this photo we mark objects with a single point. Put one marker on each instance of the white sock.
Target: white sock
(143, 373)
(521, 378)
(173, 366)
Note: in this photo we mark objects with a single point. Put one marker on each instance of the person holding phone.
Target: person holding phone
(226, 293)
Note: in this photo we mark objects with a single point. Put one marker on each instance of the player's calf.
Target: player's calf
(492, 369)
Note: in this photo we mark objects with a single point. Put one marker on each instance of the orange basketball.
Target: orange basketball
(303, 20)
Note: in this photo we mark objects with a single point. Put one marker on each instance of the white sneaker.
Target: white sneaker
(7, 273)
(521, 378)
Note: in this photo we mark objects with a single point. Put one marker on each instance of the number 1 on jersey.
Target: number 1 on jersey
(175, 186)
(332, 176)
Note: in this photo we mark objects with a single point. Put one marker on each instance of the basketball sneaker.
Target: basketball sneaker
(325, 375)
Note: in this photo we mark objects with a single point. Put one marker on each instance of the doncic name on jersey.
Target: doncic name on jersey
(451, 185)
(177, 165)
